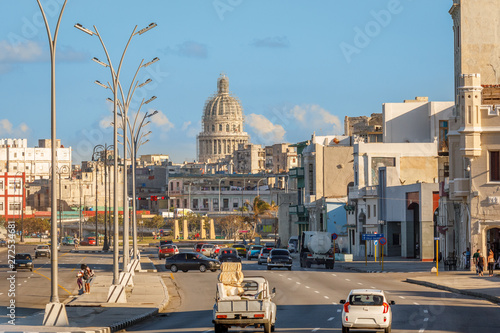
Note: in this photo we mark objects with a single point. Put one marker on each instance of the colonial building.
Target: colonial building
(470, 214)
(222, 125)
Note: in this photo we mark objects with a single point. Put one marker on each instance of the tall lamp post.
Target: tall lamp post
(60, 170)
(115, 75)
(137, 140)
(258, 185)
(101, 153)
(54, 305)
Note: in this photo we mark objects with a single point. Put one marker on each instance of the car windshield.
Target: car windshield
(280, 253)
(266, 250)
(361, 299)
(23, 256)
(43, 247)
(256, 247)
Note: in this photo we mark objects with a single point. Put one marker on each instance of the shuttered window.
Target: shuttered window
(494, 166)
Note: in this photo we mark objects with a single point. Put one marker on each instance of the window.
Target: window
(395, 239)
(195, 203)
(1, 185)
(494, 166)
(227, 128)
(185, 203)
(1, 206)
(311, 179)
(225, 203)
(14, 206)
(178, 203)
(443, 136)
(220, 127)
(235, 203)
(213, 128)
(215, 203)
(374, 210)
(205, 203)
(368, 211)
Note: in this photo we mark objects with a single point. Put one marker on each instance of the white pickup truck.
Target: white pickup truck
(248, 305)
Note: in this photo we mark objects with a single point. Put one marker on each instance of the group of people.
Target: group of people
(83, 278)
(481, 262)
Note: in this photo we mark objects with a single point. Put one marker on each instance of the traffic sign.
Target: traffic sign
(334, 236)
(383, 241)
(369, 237)
(436, 238)
(375, 242)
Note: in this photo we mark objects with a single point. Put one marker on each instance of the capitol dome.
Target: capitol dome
(222, 124)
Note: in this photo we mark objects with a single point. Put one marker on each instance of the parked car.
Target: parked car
(88, 241)
(42, 251)
(197, 247)
(23, 261)
(191, 260)
(229, 254)
(68, 240)
(206, 249)
(242, 249)
(279, 258)
(253, 251)
(366, 309)
(58, 245)
(168, 250)
(264, 253)
(293, 244)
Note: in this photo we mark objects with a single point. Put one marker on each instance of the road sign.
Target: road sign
(370, 237)
(383, 241)
(436, 238)
(334, 236)
(376, 243)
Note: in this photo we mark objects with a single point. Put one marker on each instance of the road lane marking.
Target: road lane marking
(172, 276)
(422, 330)
(289, 278)
(316, 329)
(426, 311)
(360, 283)
(317, 292)
(338, 310)
(297, 282)
(331, 318)
(334, 274)
(326, 297)
(402, 297)
(66, 290)
(308, 287)
(375, 288)
(347, 280)
(426, 319)
(334, 303)
(416, 303)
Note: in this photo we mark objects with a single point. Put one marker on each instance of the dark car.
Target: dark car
(242, 249)
(229, 254)
(279, 258)
(23, 261)
(191, 260)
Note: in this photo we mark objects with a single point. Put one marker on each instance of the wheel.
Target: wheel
(31, 269)
(273, 327)
(267, 327)
(388, 329)
(184, 270)
(213, 270)
(345, 329)
(290, 268)
(259, 263)
(174, 268)
(203, 268)
(217, 329)
(268, 268)
(308, 264)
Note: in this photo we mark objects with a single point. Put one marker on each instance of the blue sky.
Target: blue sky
(297, 66)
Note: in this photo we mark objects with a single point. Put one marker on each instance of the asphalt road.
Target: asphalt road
(33, 289)
(308, 301)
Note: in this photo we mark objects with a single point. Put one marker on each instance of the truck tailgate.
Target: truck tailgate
(239, 306)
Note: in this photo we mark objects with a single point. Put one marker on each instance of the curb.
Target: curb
(89, 251)
(135, 320)
(493, 299)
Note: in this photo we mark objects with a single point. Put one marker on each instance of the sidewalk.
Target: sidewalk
(146, 298)
(460, 281)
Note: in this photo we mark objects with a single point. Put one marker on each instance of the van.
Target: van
(293, 244)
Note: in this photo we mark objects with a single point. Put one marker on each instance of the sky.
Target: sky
(298, 67)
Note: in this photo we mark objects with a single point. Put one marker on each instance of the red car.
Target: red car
(88, 241)
(165, 251)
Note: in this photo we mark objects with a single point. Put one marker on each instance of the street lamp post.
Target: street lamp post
(62, 318)
(60, 170)
(258, 185)
(115, 75)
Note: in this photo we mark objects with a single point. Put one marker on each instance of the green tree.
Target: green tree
(260, 209)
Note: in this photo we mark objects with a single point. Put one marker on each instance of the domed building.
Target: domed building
(222, 125)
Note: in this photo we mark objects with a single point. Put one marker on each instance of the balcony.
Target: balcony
(363, 192)
(296, 173)
(459, 187)
(299, 210)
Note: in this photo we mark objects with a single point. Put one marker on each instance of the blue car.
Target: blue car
(253, 251)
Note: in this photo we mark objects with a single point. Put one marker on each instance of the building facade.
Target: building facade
(222, 125)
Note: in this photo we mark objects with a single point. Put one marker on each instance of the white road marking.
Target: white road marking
(326, 297)
(289, 278)
(375, 288)
(421, 330)
(338, 310)
(334, 274)
(426, 311)
(331, 318)
(416, 303)
(25, 281)
(401, 297)
(308, 287)
(347, 280)
(426, 319)
(281, 274)
(360, 283)
(334, 303)
(316, 329)
(317, 292)
(297, 282)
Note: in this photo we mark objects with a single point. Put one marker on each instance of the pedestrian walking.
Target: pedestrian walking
(480, 264)
(466, 255)
(77, 243)
(475, 258)
(491, 262)
(87, 276)
(79, 279)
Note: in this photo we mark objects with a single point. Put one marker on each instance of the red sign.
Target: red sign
(334, 236)
(383, 241)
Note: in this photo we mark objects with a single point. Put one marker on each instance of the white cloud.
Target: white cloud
(186, 125)
(272, 42)
(189, 49)
(23, 52)
(313, 117)
(162, 121)
(7, 128)
(24, 128)
(266, 131)
(106, 122)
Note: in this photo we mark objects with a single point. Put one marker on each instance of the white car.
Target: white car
(206, 249)
(366, 309)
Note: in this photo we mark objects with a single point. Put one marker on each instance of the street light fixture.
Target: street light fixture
(80, 27)
(149, 27)
(102, 85)
(144, 83)
(100, 62)
(151, 62)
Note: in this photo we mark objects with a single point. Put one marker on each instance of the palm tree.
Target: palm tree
(260, 208)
